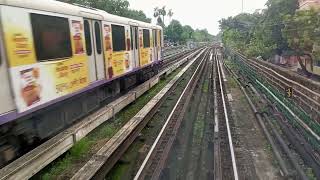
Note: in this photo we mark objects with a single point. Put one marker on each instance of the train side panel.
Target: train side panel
(7, 103)
(144, 47)
(119, 60)
(45, 53)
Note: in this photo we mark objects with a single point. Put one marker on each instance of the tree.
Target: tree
(202, 35)
(163, 13)
(259, 33)
(116, 7)
(303, 34)
(159, 14)
(170, 14)
(187, 33)
(174, 31)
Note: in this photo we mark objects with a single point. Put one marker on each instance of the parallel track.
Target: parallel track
(222, 165)
(156, 157)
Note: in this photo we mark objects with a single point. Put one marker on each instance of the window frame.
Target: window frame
(52, 15)
(124, 47)
(90, 38)
(98, 44)
(145, 42)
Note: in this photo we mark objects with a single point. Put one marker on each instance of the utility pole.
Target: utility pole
(241, 6)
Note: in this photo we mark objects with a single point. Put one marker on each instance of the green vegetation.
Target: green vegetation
(310, 174)
(177, 33)
(232, 83)
(280, 29)
(82, 149)
(205, 87)
(116, 7)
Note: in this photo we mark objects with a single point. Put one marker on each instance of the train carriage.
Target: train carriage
(61, 61)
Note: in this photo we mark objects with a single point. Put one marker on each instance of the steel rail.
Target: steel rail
(234, 164)
(153, 147)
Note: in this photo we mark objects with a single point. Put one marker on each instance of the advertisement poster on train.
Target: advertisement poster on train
(119, 62)
(30, 86)
(144, 52)
(18, 37)
(108, 49)
(33, 82)
(70, 76)
(77, 37)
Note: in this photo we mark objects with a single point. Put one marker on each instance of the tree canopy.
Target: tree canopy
(259, 33)
(177, 33)
(116, 7)
(303, 33)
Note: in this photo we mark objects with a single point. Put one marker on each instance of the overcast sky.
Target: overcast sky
(199, 13)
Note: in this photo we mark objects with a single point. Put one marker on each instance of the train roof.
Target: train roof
(75, 10)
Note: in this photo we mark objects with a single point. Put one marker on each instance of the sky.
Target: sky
(199, 13)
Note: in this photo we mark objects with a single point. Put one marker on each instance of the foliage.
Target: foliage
(174, 31)
(116, 7)
(160, 13)
(260, 33)
(177, 33)
(302, 32)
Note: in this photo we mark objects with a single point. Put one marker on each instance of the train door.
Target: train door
(155, 44)
(160, 45)
(94, 48)
(135, 45)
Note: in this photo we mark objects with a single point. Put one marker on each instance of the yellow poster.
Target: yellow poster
(70, 76)
(119, 63)
(18, 37)
(77, 36)
(108, 49)
(144, 56)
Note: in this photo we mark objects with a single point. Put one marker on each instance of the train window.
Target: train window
(51, 37)
(146, 38)
(118, 38)
(87, 34)
(97, 31)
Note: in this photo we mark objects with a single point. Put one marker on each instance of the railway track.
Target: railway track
(306, 98)
(157, 155)
(273, 118)
(225, 159)
(306, 122)
(32, 162)
(115, 147)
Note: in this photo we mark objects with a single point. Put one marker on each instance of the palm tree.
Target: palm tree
(170, 14)
(158, 13)
(163, 13)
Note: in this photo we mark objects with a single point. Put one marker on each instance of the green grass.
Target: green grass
(205, 87)
(310, 174)
(105, 131)
(232, 83)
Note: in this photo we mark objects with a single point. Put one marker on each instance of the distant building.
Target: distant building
(308, 4)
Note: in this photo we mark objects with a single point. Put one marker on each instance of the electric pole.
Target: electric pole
(241, 6)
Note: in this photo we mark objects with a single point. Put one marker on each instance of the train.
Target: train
(60, 62)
